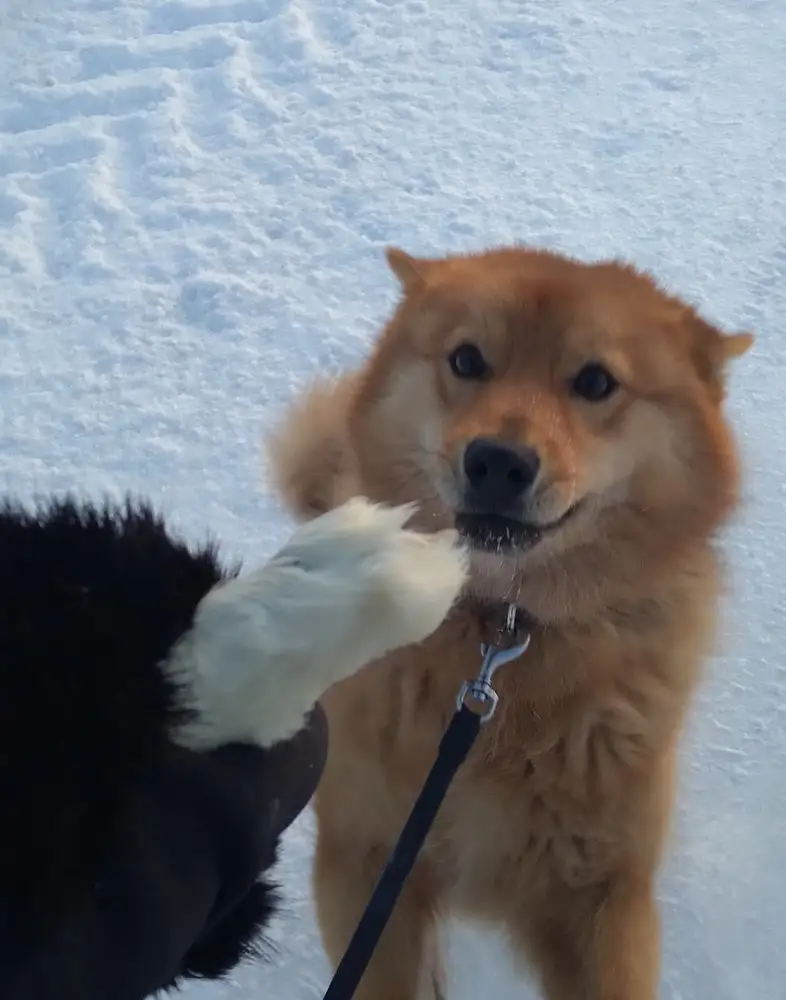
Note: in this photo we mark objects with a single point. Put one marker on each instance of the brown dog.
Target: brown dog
(568, 418)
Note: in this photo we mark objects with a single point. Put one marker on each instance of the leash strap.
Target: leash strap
(456, 743)
(453, 749)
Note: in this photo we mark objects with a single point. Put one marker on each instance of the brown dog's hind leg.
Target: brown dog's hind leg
(405, 965)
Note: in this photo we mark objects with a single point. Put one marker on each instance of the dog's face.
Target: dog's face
(544, 406)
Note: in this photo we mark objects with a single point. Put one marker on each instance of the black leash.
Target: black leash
(456, 743)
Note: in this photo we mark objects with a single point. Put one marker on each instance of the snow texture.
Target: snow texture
(193, 200)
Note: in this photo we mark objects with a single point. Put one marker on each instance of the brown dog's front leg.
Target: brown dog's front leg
(598, 945)
(344, 878)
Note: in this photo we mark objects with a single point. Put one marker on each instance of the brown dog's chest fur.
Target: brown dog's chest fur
(569, 781)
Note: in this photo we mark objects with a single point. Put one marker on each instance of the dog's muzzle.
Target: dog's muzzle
(293, 770)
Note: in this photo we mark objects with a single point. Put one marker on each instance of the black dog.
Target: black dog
(154, 742)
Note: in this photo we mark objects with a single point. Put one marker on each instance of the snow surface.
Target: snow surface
(193, 201)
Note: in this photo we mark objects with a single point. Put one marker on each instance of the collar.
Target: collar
(493, 621)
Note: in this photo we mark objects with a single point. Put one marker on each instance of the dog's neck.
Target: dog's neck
(492, 617)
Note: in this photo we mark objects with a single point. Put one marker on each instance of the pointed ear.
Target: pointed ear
(410, 271)
(713, 350)
(721, 348)
(734, 345)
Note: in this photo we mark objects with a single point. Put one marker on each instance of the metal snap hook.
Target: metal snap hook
(494, 657)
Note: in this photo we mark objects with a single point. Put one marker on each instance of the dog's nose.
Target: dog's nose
(499, 474)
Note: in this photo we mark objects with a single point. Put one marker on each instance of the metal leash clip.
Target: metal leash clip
(494, 657)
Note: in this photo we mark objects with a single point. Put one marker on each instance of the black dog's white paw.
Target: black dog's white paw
(348, 587)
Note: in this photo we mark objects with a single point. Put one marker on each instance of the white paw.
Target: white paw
(348, 587)
(391, 586)
(418, 579)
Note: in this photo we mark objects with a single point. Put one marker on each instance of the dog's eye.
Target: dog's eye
(594, 383)
(467, 362)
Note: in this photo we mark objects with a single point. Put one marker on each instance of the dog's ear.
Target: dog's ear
(713, 350)
(734, 345)
(410, 271)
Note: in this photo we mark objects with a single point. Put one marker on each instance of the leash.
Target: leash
(456, 743)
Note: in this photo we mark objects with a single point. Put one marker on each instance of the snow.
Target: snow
(193, 201)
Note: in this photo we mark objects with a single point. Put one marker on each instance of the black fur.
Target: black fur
(126, 861)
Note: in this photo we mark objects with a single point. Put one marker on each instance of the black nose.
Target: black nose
(499, 474)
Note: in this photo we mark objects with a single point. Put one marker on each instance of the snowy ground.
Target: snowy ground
(193, 201)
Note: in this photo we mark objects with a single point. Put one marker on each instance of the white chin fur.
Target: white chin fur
(347, 588)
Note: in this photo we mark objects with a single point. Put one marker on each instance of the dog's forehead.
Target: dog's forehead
(554, 319)
(551, 311)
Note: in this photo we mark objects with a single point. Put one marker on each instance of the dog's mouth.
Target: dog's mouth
(496, 533)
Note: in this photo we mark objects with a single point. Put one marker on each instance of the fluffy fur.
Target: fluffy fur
(153, 744)
(348, 587)
(554, 829)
